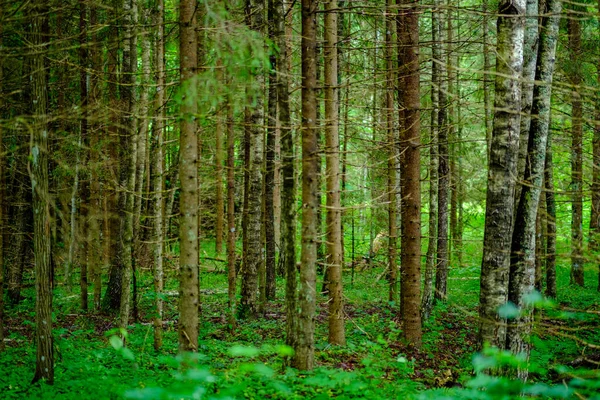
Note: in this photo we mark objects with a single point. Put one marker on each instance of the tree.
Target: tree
(44, 366)
(253, 196)
(2, 222)
(304, 346)
(501, 172)
(443, 174)
(575, 76)
(523, 250)
(157, 173)
(188, 176)
(335, 256)
(410, 142)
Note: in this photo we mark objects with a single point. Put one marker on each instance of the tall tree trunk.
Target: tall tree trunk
(436, 43)
(522, 260)
(530, 53)
(550, 221)
(84, 198)
(2, 185)
(112, 296)
(288, 187)
(188, 176)
(335, 256)
(94, 236)
(501, 172)
(269, 218)
(594, 240)
(392, 143)
(128, 158)
(410, 142)
(220, 201)
(254, 259)
(158, 173)
(487, 69)
(231, 233)
(574, 27)
(441, 274)
(304, 349)
(44, 366)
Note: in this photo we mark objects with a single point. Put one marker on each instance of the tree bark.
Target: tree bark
(501, 172)
(410, 143)
(188, 176)
(157, 173)
(250, 274)
(2, 185)
(522, 262)
(594, 240)
(335, 256)
(231, 233)
(392, 144)
(288, 188)
(550, 221)
(427, 300)
(304, 349)
(443, 175)
(38, 169)
(574, 28)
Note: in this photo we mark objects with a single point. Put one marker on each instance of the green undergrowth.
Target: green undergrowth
(249, 361)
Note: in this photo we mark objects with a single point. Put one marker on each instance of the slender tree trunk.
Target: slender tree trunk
(220, 201)
(231, 233)
(577, 276)
(15, 268)
(530, 53)
(594, 240)
(441, 274)
(335, 256)
(288, 188)
(2, 185)
(427, 300)
(392, 153)
(84, 198)
(304, 349)
(254, 259)
(522, 262)
(410, 142)
(487, 69)
(501, 172)
(157, 174)
(551, 222)
(188, 176)
(38, 167)
(269, 224)
(94, 236)
(128, 158)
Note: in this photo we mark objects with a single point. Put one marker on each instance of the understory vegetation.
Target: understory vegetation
(248, 361)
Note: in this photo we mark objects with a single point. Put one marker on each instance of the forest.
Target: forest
(292, 199)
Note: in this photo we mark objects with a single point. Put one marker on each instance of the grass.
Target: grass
(249, 363)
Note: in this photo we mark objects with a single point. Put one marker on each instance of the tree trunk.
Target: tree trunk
(410, 142)
(220, 201)
(157, 174)
(594, 240)
(188, 176)
(44, 368)
(550, 221)
(335, 256)
(427, 300)
(269, 219)
(231, 233)
(95, 202)
(392, 143)
(443, 175)
(287, 256)
(530, 53)
(248, 302)
(501, 172)
(574, 28)
(522, 260)
(304, 349)
(2, 185)
(487, 70)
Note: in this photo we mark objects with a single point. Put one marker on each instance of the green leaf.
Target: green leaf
(116, 342)
(508, 311)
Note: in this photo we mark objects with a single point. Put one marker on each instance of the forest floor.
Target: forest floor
(249, 362)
